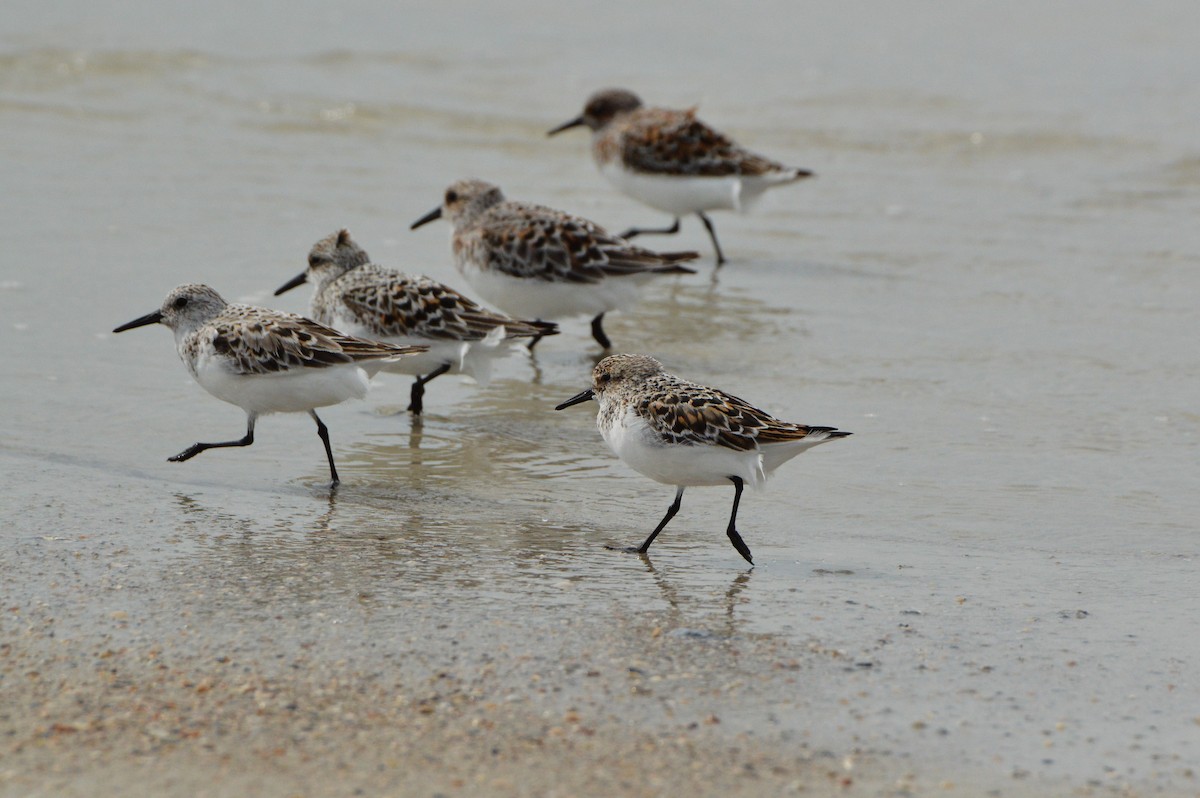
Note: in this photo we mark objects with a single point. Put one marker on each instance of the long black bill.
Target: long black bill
(436, 213)
(149, 318)
(576, 122)
(299, 279)
(578, 398)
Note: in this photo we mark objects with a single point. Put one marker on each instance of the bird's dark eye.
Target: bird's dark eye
(181, 302)
(603, 378)
(451, 197)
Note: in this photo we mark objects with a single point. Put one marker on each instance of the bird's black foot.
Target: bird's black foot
(187, 454)
(740, 545)
(625, 549)
(664, 231)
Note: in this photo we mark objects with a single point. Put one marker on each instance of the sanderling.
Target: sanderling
(673, 162)
(266, 361)
(540, 263)
(681, 433)
(364, 299)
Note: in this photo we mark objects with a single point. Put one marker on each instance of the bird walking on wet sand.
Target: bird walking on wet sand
(266, 361)
(673, 162)
(539, 263)
(361, 298)
(684, 434)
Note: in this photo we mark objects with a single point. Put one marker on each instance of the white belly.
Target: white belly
(294, 391)
(677, 196)
(472, 358)
(677, 464)
(681, 195)
(529, 298)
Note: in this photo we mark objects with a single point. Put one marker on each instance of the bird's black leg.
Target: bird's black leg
(734, 537)
(712, 233)
(323, 431)
(534, 340)
(642, 549)
(416, 399)
(666, 231)
(598, 332)
(196, 448)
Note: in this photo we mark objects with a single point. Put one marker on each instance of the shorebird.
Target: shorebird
(683, 434)
(540, 263)
(266, 361)
(673, 162)
(358, 297)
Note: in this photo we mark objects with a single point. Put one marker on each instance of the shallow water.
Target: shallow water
(992, 282)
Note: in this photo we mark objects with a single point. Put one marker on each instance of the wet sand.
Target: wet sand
(218, 662)
(511, 721)
(617, 706)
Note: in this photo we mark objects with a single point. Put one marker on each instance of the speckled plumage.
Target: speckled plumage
(388, 302)
(686, 413)
(670, 142)
(673, 162)
(530, 241)
(266, 361)
(534, 261)
(683, 434)
(249, 341)
(355, 295)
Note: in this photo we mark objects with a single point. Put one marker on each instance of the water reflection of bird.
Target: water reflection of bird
(323, 558)
(679, 604)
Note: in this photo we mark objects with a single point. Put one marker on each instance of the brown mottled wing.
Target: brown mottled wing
(677, 143)
(700, 415)
(397, 305)
(261, 341)
(531, 241)
(480, 321)
(389, 302)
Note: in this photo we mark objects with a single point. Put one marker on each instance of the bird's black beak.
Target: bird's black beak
(299, 279)
(578, 398)
(149, 318)
(436, 213)
(576, 122)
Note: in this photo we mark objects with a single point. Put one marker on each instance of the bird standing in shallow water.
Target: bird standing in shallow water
(673, 162)
(539, 263)
(682, 434)
(361, 298)
(266, 361)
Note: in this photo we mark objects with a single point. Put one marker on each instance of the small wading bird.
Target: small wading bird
(673, 162)
(266, 361)
(684, 434)
(360, 298)
(539, 263)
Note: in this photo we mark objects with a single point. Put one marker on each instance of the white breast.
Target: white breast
(675, 195)
(292, 391)
(472, 358)
(677, 464)
(529, 298)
